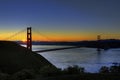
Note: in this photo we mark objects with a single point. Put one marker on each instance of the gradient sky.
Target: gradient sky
(62, 20)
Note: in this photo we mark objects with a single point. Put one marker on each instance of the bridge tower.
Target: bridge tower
(29, 38)
(98, 42)
(98, 37)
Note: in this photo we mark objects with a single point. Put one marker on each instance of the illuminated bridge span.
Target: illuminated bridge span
(29, 43)
(55, 49)
(29, 34)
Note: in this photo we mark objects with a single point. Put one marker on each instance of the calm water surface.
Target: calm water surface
(88, 58)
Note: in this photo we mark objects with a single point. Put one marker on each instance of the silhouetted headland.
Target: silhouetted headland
(14, 58)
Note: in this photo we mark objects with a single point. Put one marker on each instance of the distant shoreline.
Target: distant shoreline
(101, 44)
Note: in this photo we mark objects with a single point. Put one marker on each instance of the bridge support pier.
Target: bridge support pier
(29, 38)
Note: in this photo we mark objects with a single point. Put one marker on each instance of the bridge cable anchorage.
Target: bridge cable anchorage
(29, 38)
(44, 36)
(17, 33)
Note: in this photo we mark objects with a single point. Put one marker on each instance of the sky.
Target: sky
(61, 20)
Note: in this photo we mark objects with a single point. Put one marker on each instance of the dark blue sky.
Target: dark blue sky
(62, 18)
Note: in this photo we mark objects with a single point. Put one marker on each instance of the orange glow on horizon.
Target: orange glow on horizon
(58, 37)
(63, 38)
(24, 40)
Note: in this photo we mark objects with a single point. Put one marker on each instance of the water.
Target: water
(88, 58)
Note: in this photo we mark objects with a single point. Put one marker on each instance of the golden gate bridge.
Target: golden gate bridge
(29, 34)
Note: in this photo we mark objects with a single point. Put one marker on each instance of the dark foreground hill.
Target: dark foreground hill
(14, 58)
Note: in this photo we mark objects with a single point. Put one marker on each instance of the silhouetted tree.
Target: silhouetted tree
(74, 70)
(115, 68)
(104, 69)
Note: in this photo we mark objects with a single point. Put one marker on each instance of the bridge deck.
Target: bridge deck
(55, 49)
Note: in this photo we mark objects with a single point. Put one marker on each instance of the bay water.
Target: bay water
(89, 58)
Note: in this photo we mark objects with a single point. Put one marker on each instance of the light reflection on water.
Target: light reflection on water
(88, 58)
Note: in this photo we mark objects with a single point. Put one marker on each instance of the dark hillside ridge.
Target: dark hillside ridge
(14, 57)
